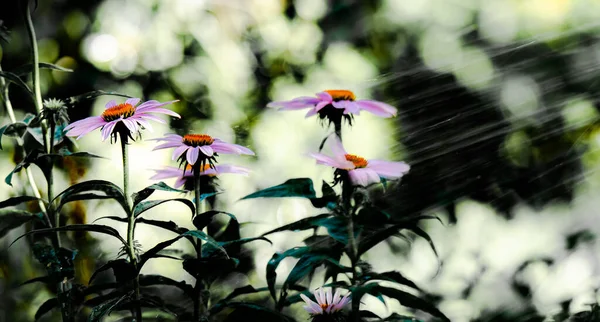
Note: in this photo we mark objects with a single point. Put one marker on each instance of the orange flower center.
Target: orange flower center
(123, 110)
(324, 306)
(358, 162)
(202, 169)
(341, 95)
(197, 139)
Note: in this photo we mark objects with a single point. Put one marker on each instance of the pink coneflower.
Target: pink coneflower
(115, 116)
(326, 302)
(327, 101)
(182, 177)
(198, 147)
(361, 172)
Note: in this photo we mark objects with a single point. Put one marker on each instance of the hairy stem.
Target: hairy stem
(130, 227)
(13, 119)
(50, 181)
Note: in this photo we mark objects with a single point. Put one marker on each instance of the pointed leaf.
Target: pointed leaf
(91, 95)
(302, 224)
(299, 187)
(202, 220)
(146, 192)
(168, 225)
(18, 200)
(105, 308)
(27, 68)
(12, 218)
(425, 236)
(147, 205)
(108, 188)
(408, 300)
(83, 227)
(271, 273)
(151, 280)
(209, 251)
(43, 279)
(121, 269)
(17, 81)
(392, 276)
(46, 307)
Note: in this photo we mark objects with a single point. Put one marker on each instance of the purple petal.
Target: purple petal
(321, 296)
(377, 108)
(295, 104)
(133, 101)
(141, 121)
(169, 144)
(207, 150)
(151, 117)
(363, 176)
(131, 126)
(326, 160)
(158, 110)
(230, 148)
(168, 137)
(388, 169)
(111, 103)
(153, 103)
(339, 153)
(352, 107)
(179, 151)
(311, 306)
(339, 104)
(180, 182)
(343, 302)
(320, 105)
(324, 96)
(192, 155)
(336, 297)
(228, 168)
(165, 173)
(329, 296)
(85, 126)
(311, 112)
(107, 129)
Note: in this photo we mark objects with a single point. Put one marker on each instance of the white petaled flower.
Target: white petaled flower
(326, 302)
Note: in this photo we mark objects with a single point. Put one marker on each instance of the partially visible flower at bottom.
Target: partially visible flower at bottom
(184, 176)
(362, 172)
(326, 302)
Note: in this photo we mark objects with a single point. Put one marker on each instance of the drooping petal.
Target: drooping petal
(329, 296)
(131, 126)
(339, 104)
(228, 168)
(84, 129)
(165, 173)
(321, 104)
(110, 104)
(132, 101)
(311, 112)
(168, 137)
(352, 107)
(295, 104)
(159, 110)
(229, 148)
(85, 122)
(337, 148)
(142, 122)
(180, 181)
(342, 302)
(363, 176)
(206, 150)
(169, 144)
(151, 117)
(321, 294)
(192, 155)
(388, 169)
(153, 103)
(336, 297)
(377, 108)
(107, 129)
(179, 151)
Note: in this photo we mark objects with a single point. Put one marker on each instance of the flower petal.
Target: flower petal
(329, 296)
(110, 104)
(388, 169)
(339, 104)
(192, 155)
(158, 110)
(131, 126)
(326, 160)
(377, 108)
(336, 297)
(179, 151)
(343, 302)
(229, 148)
(314, 307)
(165, 173)
(311, 112)
(107, 129)
(180, 182)
(295, 104)
(132, 101)
(324, 96)
(320, 105)
(207, 150)
(363, 176)
(228, 168)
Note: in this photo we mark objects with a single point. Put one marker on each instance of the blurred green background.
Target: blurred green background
(498, 116)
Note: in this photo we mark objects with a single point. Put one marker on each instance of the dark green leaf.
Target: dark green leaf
(209, 250)
(46, 307)
(122, 269)
(306, 265)
(59, 136)
(209, 240)
(271, 273)
(17, 81)
(18, 200)
(83, 227)
(105, 308)
(146, 192)
(372, 239)
(407, 299)
(151, 280)
(147, 205)
(64, 152)
(299, 187)
(328, 199)
(209, 268)
(2, 129)
(425, 236)
(12, 218)
(248, 289)
(108, 188)
(115, 218)
(27, 68)
(202, 220)
(392, 276)
(302, 224)
(43, 279)
(248, 306)
(91, 95)
(168, 225)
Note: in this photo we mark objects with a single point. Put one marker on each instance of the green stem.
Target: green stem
(130, 227)
(51, 183)
(13, 119)
(199, 305)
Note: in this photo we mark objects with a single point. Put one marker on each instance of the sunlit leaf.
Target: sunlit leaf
(299, 187)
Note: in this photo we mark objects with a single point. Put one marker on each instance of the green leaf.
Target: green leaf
(202, 220)
(209, 268)
(59, 135)
(2, 130)
(46, 307)
(91, 95)
(271, 273)
(306, 265)
(105, 308)
(18, 200)
(83, 227)
(122, 270)
(151, 253)
(17, 81)
(64, 152)
(12, 218)
(209, 251)
(108, 188)
(248, 289)
(302, 224)
(248, 306)
(168, 225)
(329, 199)
(146, 192)
(27, 68)
(43, 279)
(372, 239)
(406, 299)
(147, 205)
(392, 276)
(425, 236)
(299, 187)
(151, 280)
